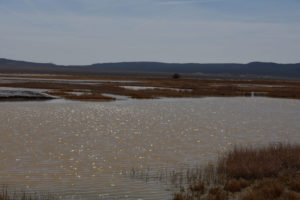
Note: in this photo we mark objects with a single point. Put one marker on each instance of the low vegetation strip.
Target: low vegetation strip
(156, 87)
(267, 173)
(67, 94)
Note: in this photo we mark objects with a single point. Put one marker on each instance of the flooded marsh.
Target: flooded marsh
(150, 88)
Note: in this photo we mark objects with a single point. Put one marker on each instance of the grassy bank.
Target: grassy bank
(266, 173)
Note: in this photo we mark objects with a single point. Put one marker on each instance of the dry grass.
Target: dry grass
(251, 163)
(236, 185)
(217, 193)
(265, 173)
(8, 195)
(294, 183)
(85, 96)
(266, 189)
(198, 187)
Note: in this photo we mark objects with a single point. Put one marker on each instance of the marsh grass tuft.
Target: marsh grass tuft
(250, 163)
(265, 173)
(5, 194)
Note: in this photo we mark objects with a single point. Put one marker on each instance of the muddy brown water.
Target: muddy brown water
(80, 150)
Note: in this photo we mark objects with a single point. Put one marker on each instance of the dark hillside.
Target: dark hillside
(258, 69)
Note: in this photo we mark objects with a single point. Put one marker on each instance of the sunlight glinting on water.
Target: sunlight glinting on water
(78, 149)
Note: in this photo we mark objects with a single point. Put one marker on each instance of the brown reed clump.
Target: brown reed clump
(236, 185)
(250, 163)
(266, 189)
(217, 193)
(290, 195)
(198, 187)
(267, 173)
(294, 184)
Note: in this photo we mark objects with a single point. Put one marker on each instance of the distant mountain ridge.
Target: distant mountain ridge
(218, 69)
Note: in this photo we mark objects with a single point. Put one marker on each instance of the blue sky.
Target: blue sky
(205, 31)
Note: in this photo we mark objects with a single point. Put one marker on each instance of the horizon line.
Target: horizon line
(111, 62)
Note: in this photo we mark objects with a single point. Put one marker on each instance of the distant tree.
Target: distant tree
(176, 76)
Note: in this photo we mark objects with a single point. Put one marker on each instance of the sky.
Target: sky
(186, 31)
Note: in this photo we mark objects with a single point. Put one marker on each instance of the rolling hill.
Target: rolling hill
(253, 69)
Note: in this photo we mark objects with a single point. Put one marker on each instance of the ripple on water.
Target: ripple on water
(80, 149)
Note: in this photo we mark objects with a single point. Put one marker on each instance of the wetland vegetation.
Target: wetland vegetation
(266, 173)
(92, 88)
